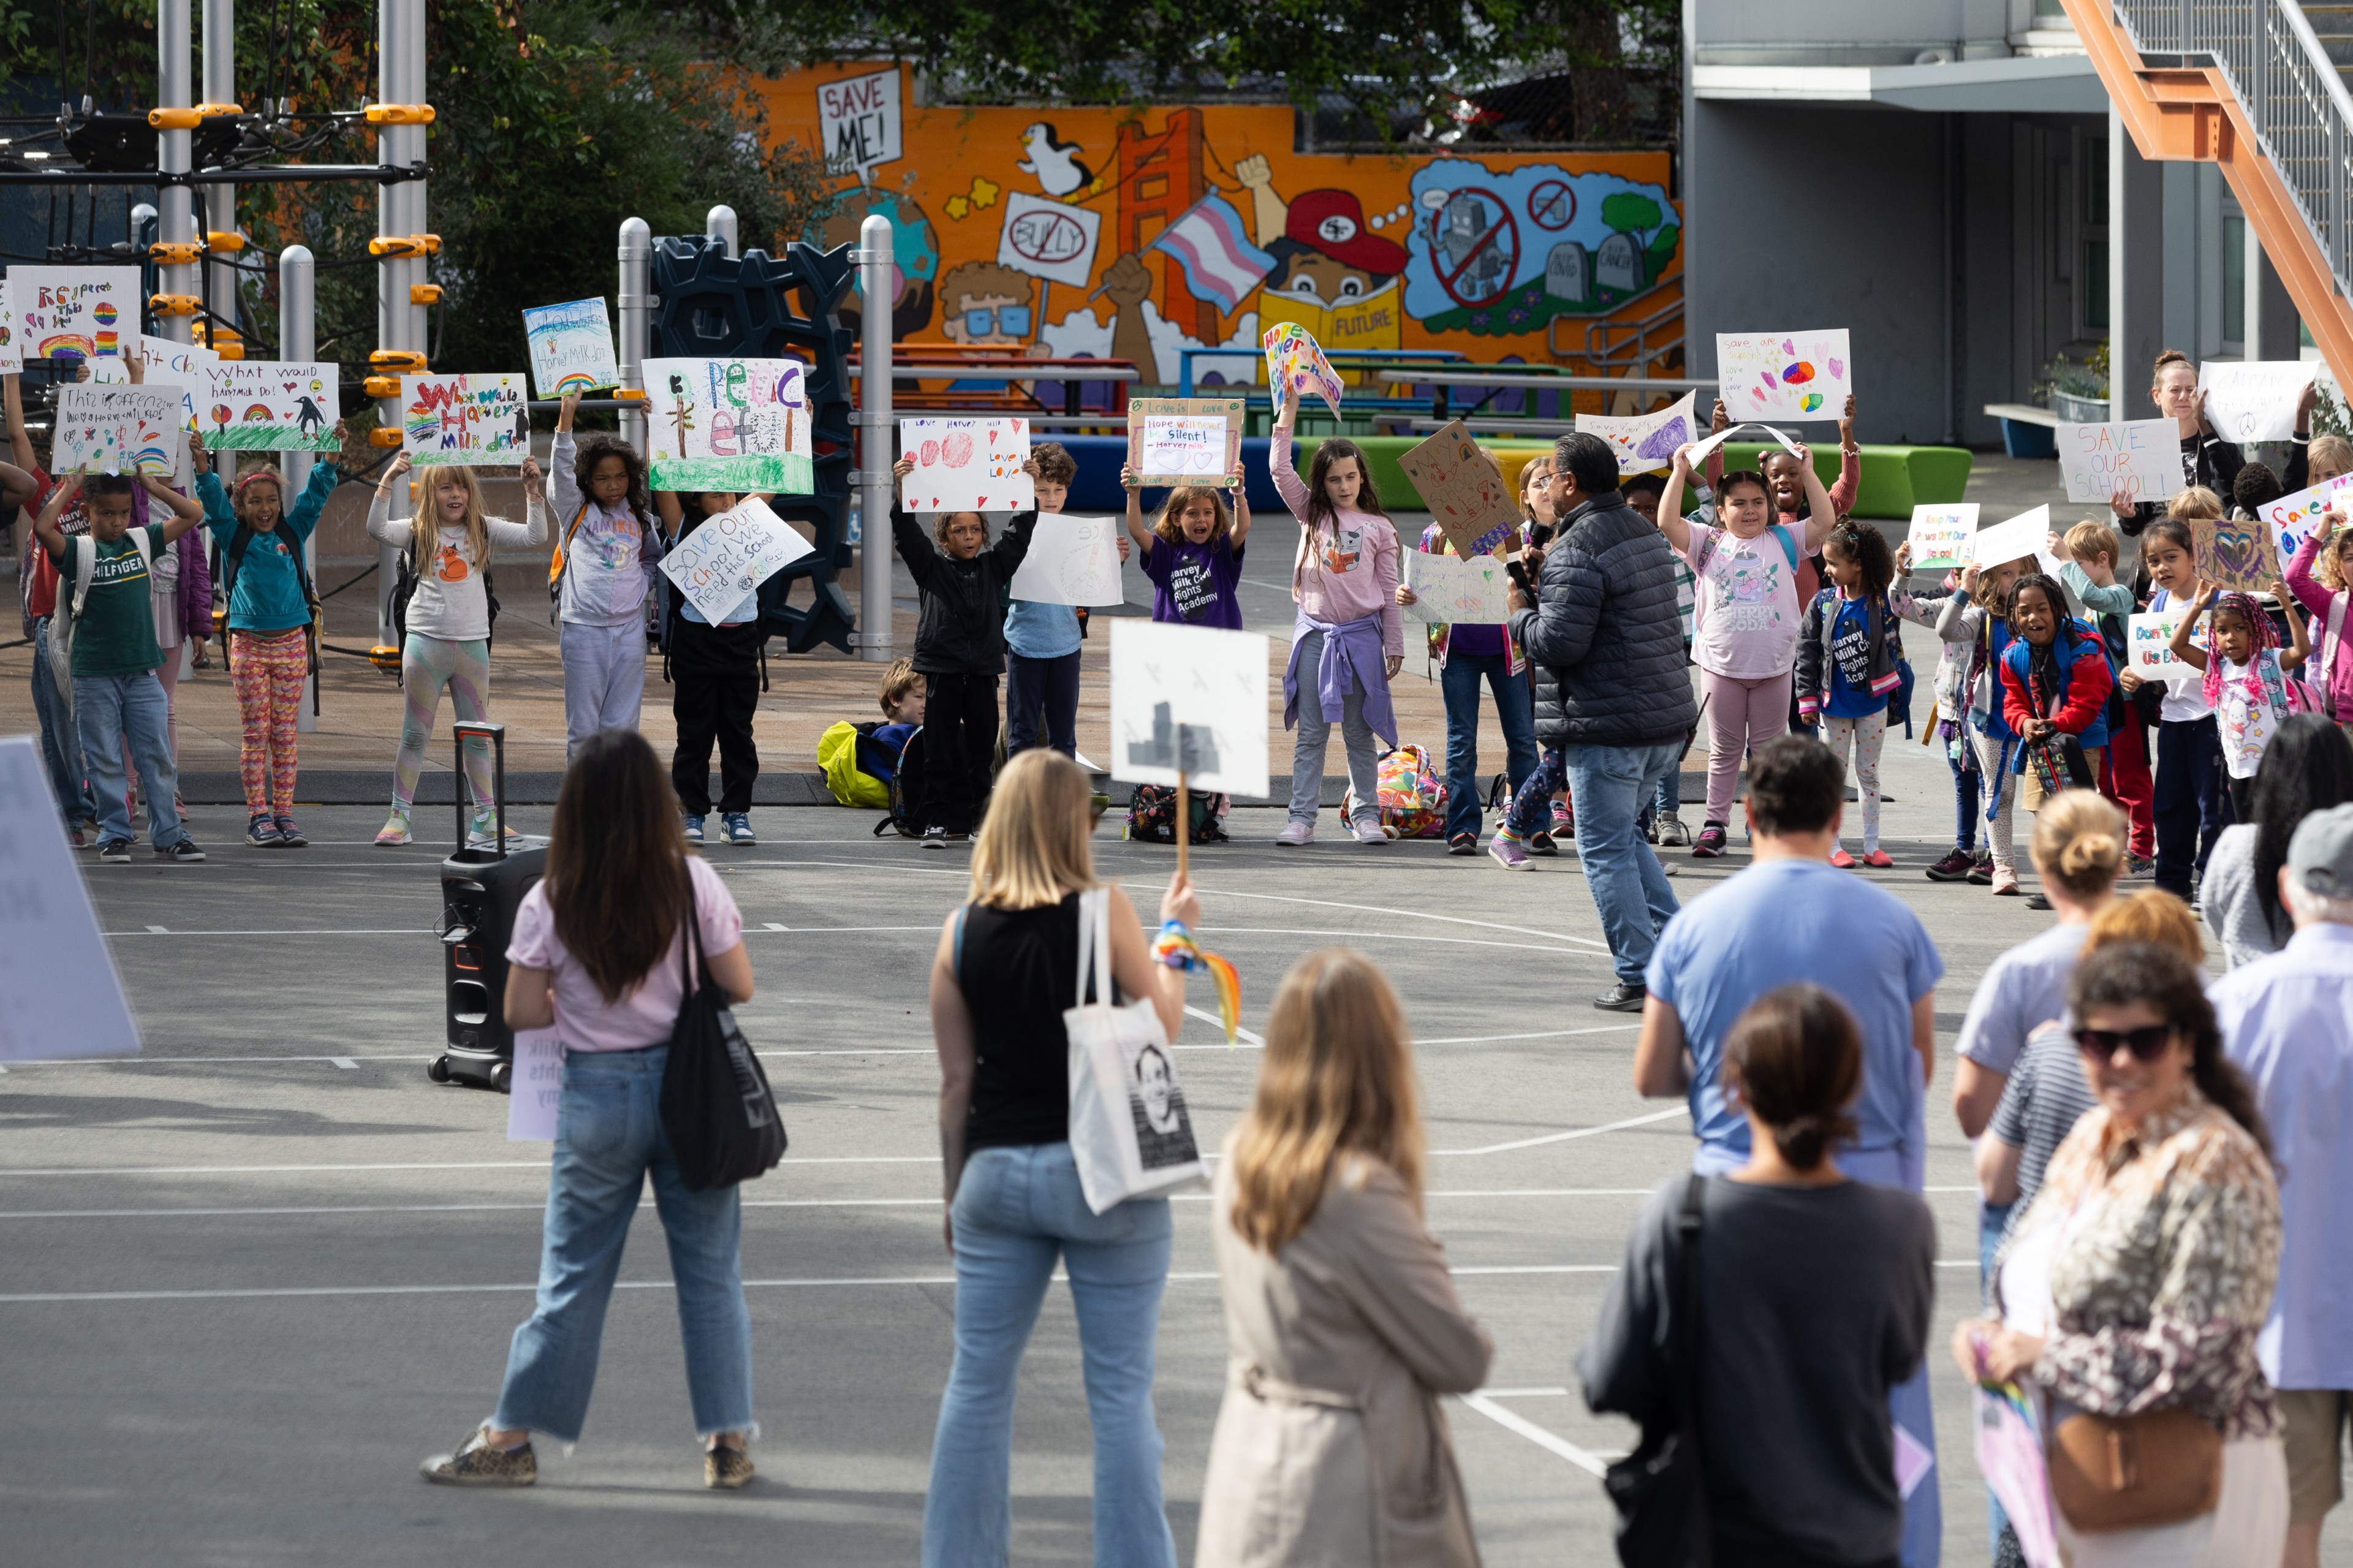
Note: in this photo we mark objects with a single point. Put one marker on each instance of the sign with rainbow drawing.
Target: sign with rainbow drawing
(571, 348)
(270, 405)
(735, 425)
(2294, 519)
(117, 430)
(1784, 376)
(474, 420)
(73, 313)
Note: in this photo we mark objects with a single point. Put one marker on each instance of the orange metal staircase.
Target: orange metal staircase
(2249, 86)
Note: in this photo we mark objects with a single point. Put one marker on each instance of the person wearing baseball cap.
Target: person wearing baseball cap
(2287, 1020)
(1328, 250)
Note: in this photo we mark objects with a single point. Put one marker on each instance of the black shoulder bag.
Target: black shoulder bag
(716, 1108)
(1660, 1488)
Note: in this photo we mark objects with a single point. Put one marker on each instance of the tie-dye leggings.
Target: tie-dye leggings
(267, 668)
(426, 665)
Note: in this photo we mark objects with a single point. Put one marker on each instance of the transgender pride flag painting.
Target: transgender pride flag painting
(1221, 264)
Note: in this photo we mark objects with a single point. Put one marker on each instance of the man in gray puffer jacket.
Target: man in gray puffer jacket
(1612, 691)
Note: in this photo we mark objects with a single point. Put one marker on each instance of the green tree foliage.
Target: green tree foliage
(1630, 212)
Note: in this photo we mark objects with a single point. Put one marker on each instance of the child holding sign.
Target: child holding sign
(2190, 798)
(714, 685)
(1042, 641)
(2087, 555)
(2319, 576)
(1975, 618)
(602, 572)
(1467, 654)
(1348, 642)
(2246, 679)
(1192, 551)
(1849, 651)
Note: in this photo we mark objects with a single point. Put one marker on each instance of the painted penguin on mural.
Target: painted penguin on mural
(1054, 161)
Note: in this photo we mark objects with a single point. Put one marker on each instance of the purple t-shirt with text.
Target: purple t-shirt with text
(1194, 584)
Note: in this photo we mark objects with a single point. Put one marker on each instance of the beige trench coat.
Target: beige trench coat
(1330, 1448)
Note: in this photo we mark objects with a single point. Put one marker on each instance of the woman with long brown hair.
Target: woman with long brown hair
(602, 951)
(1342, 1323)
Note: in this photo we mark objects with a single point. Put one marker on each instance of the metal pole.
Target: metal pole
(220, 289)
(637, 318)
(400, 210)
(720, 227)
(298, 339)
(178, 222)
(872, 638)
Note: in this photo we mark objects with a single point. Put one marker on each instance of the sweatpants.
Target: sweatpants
(715, 689)
(2190, 807)
(1041, 694)
(604, 679)
(267, 670)
(426, 665)
(1356, 737)
(2124, 779)
(1741, 714)
(959, 745)
(1866, 736)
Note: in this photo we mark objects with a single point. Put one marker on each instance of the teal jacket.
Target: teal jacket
(269, 597)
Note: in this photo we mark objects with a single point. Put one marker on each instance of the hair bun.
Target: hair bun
(2089, 852)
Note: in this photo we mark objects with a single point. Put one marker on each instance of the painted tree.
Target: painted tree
(1630, 211)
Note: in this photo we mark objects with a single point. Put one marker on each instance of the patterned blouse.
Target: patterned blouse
(2165, 1274)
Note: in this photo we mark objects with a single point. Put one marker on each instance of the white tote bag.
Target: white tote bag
(1131, 1135)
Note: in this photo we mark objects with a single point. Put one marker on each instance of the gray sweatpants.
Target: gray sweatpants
(604, 679)
(1315, 734)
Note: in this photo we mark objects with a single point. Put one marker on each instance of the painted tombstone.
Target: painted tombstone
(1619, 263)
(1567, 275)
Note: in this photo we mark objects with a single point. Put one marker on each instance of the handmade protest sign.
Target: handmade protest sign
(474, 421)
(59, 992)
(73, 313)
(1294, 359)
(1940, 534)
(1071, 560)
(184, 362)
(2234, 554)
(1459, 481)
(1457, 589)
(1188, 700)
(2013, 1458)
(1701, 452)
(571, 347)
(537, 1087)
(2254, 400)
(1184, 440)
(1784, 376)
(1644, 441)
(263, 405)
(721, 565)
(2149, 641)
(2294, 519)
(2021, 538)
(968, 465)
(116, 429)
(2141, 458)
(735, 425)
(12, 353)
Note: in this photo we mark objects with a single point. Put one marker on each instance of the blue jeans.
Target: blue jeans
(609, 1136)
(108, 710)
(1607, 788)
(1964, 801)
(1041, 694)
(1015, 1211)
(60, 747)
(2190, 807)
(1514, 709)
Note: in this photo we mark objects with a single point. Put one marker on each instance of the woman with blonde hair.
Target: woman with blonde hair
(447, 636)
(1342, 1323)
(1005, 969)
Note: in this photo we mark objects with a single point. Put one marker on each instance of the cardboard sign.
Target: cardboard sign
(476, 421)
(2141, 458)
(12, 355)
(1453, 590)
(721, 565)
(2254, 400)
(2148, 642)
(1941, 535)
(74, 313)
(968, 465)
(59, 992)
(116, 429)
(1464, 491)
(2295, 519)
(2235, 554)
(2021, 538)
(1071, 560)
(1190, 699)
(262, 406)
(1295, 361)
(571, 348)
(1784, 376)
(1175, 440)
(735, 425)
(1645, 442)
(537, 1091)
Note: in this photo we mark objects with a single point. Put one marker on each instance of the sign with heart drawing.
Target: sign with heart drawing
(2235, 554)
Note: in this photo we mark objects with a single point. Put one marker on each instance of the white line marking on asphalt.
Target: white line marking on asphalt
(1245, 1035)
(1538, 1034)
(775, 925)
(386, 931)
(1512, 1421)
(419, 1165)
(347, 1063)
(159, 931)
(1574, 1132)
(1553, 1393)
(1408, 914)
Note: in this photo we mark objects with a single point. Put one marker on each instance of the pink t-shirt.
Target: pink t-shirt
(1745, 621)
(585, 1021)
(1347, 569)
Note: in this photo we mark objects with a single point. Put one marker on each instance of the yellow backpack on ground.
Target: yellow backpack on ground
(837, 754)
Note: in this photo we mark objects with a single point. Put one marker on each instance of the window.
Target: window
(2235, 283)
(2092, 234)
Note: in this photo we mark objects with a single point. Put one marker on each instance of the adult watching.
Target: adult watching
(2308, 767)
(1612, 691)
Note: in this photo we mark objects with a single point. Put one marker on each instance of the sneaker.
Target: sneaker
(2038, 899)
(1564, 819)
(262, 834)
(739, 833)
(1981, 873)
(2138, 867)
(1295, 833)
(484, 833)
(291, 836)
(74, 837)
(2005, 883)
(1509, 853)
(1878, 859)
(1368, 830)
(115, 851)
(1842, 859)
(1710, 843)
(184, 850)
(1952, 867)
(1626, 996)
(695, 830)
(1670, 833)
(725, 1469)
(395, 832)
(935, 839)
(90, 828)
(478, 1464)
(1462, 844)
(1541, 842)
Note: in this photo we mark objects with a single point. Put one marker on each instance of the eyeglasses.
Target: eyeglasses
(1006, 321)
(2146, 1043)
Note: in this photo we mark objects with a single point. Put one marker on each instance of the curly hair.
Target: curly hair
(1867, 548)
(595, 450)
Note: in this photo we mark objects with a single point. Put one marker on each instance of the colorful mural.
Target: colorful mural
(1137, 235)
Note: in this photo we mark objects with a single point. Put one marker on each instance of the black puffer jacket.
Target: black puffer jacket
(1606, 638)
(960, 627)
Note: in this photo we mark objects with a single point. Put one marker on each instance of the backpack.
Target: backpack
(1411, 796)
(908, 791)
(858, 768)
(64, 621)
(560, 563)
(232, 561)
(1151, 815)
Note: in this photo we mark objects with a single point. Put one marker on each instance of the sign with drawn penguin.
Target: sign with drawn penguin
(268, 406)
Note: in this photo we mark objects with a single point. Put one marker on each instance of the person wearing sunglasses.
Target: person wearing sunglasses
(2140, 1277)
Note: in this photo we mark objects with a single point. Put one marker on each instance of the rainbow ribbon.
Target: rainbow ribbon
(1175, 948)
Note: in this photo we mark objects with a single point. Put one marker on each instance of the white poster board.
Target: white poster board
(571, 347)
(473, 420)
(1784, 376)
(1186, 446)
(1071, 560)
(74, 313)
(721, 565)
(1048, 239)
(858, 122)
(1452, 590)
(740, 425)
(2021, 538)
(1645, 442)
(968, 465)
(2294, 519)
(2148, 642)
(264, 406)
(2254, 400)
(1941, 535)
(537, 1087)
(118, 429)
(2142, 457)
(1190, 699)
(1704, 449)
(59, 992)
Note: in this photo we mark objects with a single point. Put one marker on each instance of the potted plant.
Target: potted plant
(2077, 390)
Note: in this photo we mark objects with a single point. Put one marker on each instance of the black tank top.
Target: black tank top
(1018, 974)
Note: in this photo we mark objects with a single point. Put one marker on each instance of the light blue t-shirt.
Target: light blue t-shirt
(1041, 631)
(1787, 921)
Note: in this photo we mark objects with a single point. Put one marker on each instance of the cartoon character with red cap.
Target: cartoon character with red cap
(1324, 249)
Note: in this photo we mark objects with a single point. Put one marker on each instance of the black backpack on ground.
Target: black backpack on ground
(908, 791)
